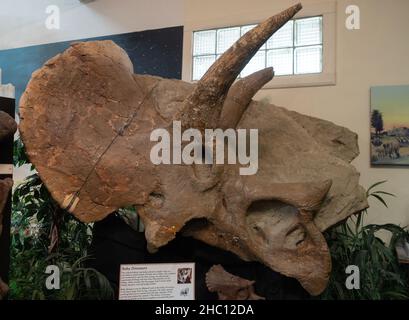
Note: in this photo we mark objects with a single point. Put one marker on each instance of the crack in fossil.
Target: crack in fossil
(120, 132)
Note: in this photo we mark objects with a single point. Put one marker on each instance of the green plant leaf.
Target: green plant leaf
(375, 185)
(380, 199)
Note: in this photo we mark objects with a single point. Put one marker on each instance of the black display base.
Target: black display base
(115, 243)
(6, 157)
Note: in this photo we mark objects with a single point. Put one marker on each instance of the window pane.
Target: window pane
(226, 37)
(283, 37)
(281, 60)
(308, 31)
(308, 59)
(204, 42)
(201, 64)
(258, 62)
(244, 29)
(296, 48)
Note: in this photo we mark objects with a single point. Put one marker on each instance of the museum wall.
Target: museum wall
(374, 55)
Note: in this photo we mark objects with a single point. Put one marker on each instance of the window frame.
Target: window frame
(327, 77)
(266, 50)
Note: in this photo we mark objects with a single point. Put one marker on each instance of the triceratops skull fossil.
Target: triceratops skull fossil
(86, 121)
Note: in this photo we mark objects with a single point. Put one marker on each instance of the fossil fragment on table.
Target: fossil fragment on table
(228, 286)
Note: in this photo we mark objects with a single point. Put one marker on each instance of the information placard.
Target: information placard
(157, 281)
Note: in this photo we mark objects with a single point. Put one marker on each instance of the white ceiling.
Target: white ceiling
(22, 22)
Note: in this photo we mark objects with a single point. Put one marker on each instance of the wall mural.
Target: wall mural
(390, 125)
(156, 52)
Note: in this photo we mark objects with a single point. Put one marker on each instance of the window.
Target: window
(295, 49)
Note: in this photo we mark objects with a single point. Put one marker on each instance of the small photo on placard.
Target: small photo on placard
(184, 275)
(157, 281)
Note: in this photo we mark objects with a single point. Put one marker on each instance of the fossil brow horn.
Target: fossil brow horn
(240, 95)
(203, 106)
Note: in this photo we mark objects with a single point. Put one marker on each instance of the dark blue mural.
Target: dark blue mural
(156, 52)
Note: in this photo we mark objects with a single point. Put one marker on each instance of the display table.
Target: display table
(6, 160)
(115, 243)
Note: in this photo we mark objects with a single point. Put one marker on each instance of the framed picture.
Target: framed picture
(390, 125)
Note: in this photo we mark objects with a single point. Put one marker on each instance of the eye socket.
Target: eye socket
(206, 175)
(206, 154)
